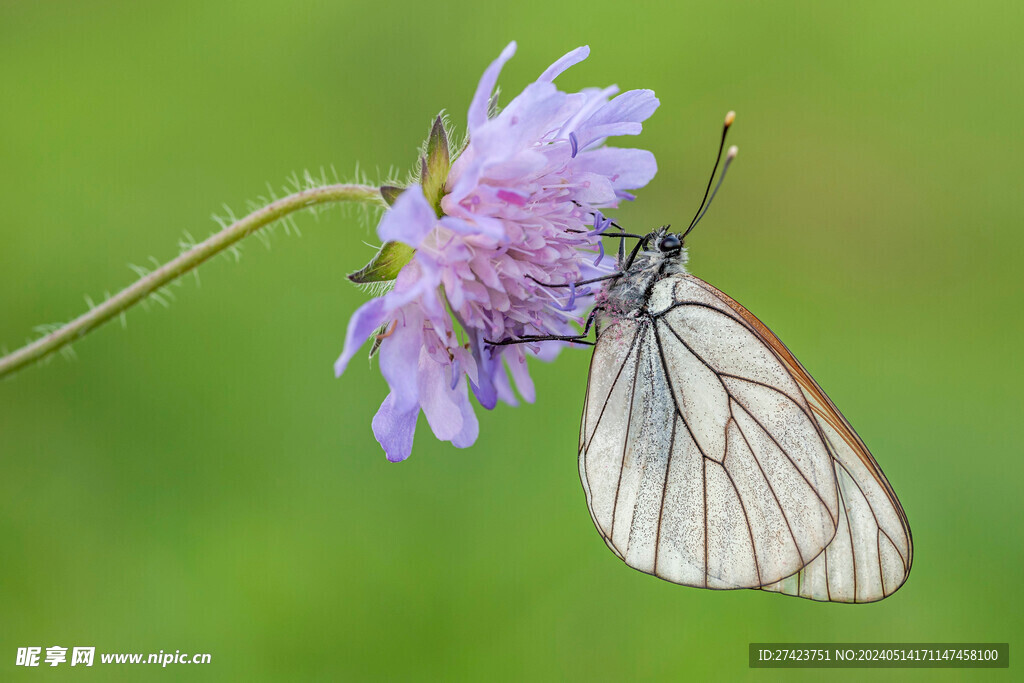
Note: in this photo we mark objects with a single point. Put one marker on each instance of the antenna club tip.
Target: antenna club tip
(733, 151)
(729, 118)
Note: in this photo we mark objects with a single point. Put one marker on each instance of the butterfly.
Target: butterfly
(709, 456)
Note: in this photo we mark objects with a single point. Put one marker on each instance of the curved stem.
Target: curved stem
(184, 263)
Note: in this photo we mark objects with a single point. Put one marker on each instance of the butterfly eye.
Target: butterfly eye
(669, 243)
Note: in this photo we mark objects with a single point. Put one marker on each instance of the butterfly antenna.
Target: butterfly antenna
(729, 156)
(729, 118)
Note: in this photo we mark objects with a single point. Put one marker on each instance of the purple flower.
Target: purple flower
(520, 212)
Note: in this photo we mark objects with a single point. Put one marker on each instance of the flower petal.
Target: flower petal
(364, 321)
(569, 59)
(527, 117)
(399, 354)
(585, 103)
(594, 136)
(483, 388)
(409, 220)
(475, 225)
(524, 121)
(632, 105)
(503, 386)
(395, 428)
(477, 115)
(627, 169)
(595, 190)
(521, 374)
(470, 426)
(514, 168)
(438, 400)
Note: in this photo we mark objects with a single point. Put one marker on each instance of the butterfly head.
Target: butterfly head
(667, 250)
(668, 243)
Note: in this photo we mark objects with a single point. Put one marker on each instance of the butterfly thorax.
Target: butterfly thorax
(626, 296)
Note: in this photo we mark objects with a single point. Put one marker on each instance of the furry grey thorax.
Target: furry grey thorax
(627, 295)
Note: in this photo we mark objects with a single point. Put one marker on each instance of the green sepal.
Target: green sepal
(380, 335)
(435, 164)
(385, 264)
(438, 158)
(390, 193)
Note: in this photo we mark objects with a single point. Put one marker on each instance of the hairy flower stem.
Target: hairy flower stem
(184, 263)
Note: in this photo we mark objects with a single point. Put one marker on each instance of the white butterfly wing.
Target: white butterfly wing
(873, 550)
(704, 459)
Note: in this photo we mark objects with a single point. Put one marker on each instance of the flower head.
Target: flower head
(513, 226)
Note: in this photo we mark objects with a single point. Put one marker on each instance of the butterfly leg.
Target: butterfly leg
(632, 255)
(609, 276)
(572, 338)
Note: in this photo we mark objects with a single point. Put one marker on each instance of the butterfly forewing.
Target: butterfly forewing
(710, 458)
(702, 471)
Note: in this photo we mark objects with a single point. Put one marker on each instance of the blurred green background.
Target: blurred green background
(200, 481)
